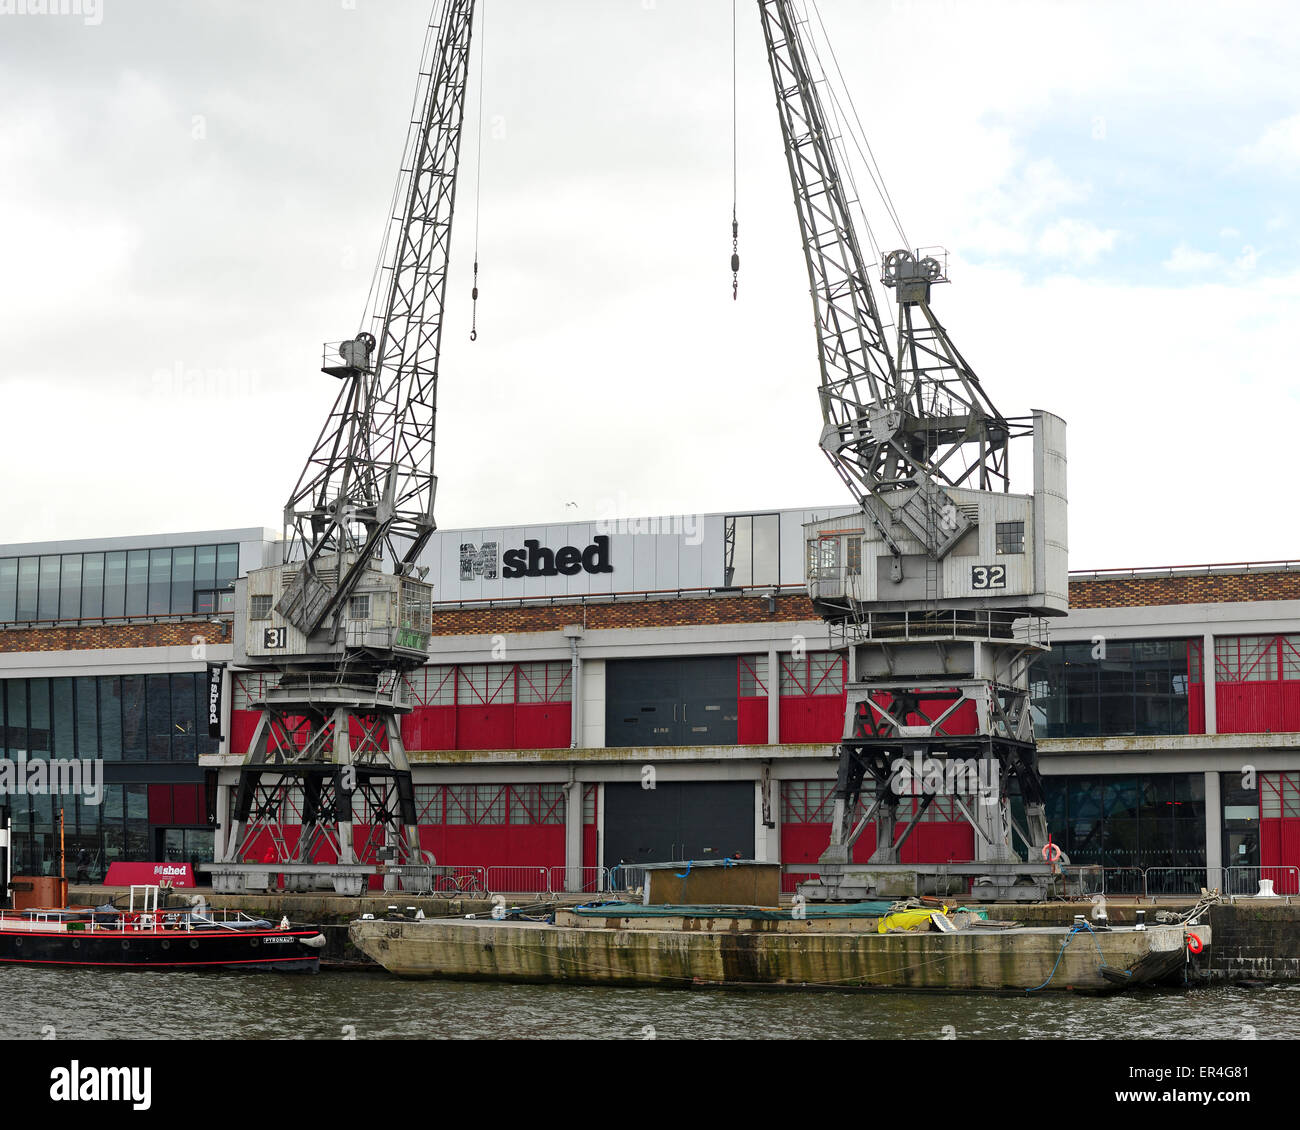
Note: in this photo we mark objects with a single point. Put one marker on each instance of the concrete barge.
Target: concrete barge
(734, 952)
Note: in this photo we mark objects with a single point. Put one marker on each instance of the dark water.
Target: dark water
(96, 1004)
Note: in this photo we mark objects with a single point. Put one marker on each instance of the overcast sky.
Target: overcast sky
(192, 194)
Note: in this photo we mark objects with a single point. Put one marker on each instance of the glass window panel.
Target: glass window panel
(1290, 657)
(460, 804)
(1115, 677)
(110, 717)
(767, 549)
(205, 602)
(112, 824)
(753, 676)
(738, 550)
(92, 585)
(28, 575)
(8, 588)
(137, 582)
(70, 587)
(532, 682)
(1010, 537)
(16, 707)
(853, 557)
(1116, 714)
(87, 718)
(183, 580)
(137, 822)
(205, 566)
(47, 607)
(227, 564)
(794, 675)
(524, 803)
(115, 583)
(1122, 797)
(133, 717)
(559, 681)
(38, 706)
(1245, 659)
(158, 717)
(160, 581)
(64, 718)
(184, 720)
(1189, 843)
(825, 673)
(490, 804)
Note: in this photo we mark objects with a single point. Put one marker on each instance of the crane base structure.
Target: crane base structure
(325, 746)
(938, 706)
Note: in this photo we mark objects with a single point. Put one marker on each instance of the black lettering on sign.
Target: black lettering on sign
(537, 560)
(513, 560)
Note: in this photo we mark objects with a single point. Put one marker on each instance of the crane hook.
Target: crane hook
(735, 257)
(473, 321)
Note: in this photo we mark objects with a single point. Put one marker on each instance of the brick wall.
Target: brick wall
(1220, 588)
(90, 638)
(674, 612)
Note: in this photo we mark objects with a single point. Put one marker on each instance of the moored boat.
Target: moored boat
(148, 934)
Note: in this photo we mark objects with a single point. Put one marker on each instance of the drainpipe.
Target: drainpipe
(573, 633)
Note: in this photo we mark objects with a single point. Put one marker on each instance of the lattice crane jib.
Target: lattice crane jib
(367, 491)
(901, 425)
(346, 612)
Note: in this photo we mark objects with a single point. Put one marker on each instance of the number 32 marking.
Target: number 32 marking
(988, 576)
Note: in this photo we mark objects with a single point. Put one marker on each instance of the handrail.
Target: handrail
(1115, 573)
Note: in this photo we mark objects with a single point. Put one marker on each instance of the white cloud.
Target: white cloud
(606, 309)
(1076, 241)
(1187, 260)
(1229, 233)
(1278, 147)
(1247, 260)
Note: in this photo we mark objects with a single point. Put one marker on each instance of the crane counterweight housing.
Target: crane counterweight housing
(1003, 551)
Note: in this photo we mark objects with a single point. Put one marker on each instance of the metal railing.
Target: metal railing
(624, 878)
(579, 880)
(520, 880)
(453, 880)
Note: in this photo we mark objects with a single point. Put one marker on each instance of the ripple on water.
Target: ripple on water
(97, 1004)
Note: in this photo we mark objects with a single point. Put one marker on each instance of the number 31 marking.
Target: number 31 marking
(988, 576)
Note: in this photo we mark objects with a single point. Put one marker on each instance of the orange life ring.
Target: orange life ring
(1052, 852)
(1194, 943)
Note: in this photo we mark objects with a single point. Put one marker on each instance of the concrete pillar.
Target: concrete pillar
(221, 834)
(573, 835)
(773, 696)
(1213, 826)
(1207, 675)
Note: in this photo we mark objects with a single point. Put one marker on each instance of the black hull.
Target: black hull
(280, 951)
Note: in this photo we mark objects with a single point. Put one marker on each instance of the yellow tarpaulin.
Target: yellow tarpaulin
(906, 919)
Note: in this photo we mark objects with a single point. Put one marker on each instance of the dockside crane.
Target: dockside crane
(936, 587)
(337, 622)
